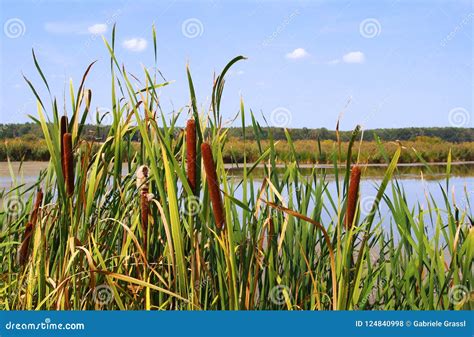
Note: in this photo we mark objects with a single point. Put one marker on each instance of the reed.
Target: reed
(213, 184)
(191, 153)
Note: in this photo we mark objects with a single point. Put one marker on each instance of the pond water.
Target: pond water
(410, 175)
(418, 192)
(416, 185)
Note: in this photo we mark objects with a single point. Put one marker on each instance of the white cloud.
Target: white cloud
(354, 57)
(235, 73)
(97, 29)
(298, 53)
(336, 61)
(137, 44)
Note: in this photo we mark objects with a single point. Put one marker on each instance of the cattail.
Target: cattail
(38, 201)
(191, 153)
(68, 164)
(64, 124)
(352, 196)
(145, 209)
(142, 176)
(23, 252)
(213, 183)
(271, 229)
(25, 242)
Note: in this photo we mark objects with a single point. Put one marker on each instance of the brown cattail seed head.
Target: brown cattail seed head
(145, 209)
(271, 230)
(352, 196)
(23, 252)
(191, 153)
(38, 202)
(142, 176)
(213, 183)
(68, 158)
(64, 124)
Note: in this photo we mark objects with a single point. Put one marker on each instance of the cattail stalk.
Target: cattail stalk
(352, 196)
(213, 183)
(68, 164)
(64, 123)
(191, 153)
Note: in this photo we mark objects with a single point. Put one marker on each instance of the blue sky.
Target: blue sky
(386, 63)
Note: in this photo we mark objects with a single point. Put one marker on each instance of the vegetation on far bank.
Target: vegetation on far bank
(99, 132)
(431, 149)
(323, 152)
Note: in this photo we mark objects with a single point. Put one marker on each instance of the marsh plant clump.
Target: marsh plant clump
(173, 231)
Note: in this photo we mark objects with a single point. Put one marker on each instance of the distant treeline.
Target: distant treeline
(448, 134)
